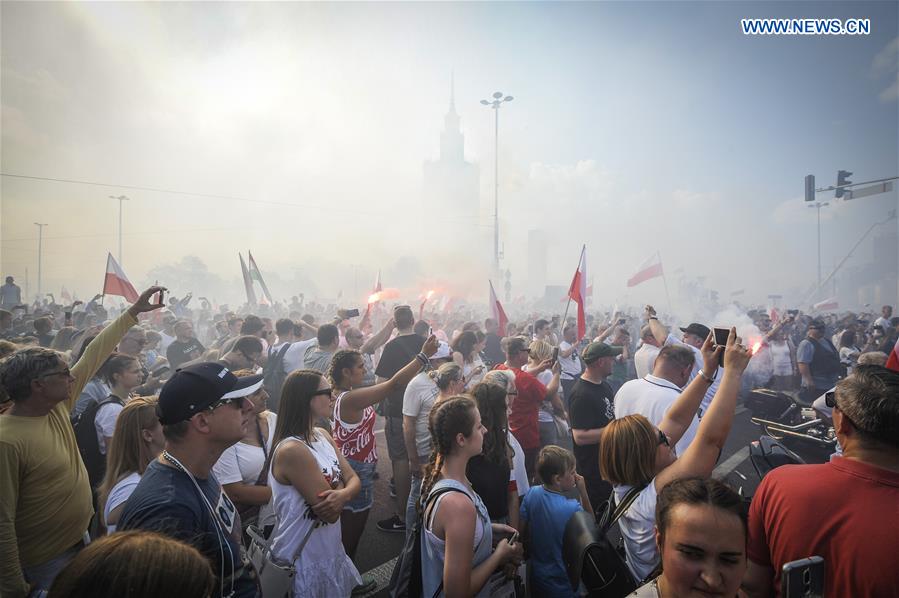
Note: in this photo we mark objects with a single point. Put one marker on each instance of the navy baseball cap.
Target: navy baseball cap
(194, 388)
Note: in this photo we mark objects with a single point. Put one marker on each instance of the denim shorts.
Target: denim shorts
(365, 498)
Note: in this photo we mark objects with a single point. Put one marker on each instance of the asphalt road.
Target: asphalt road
(377, 549)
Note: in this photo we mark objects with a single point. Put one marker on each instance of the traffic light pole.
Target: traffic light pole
(850, 185)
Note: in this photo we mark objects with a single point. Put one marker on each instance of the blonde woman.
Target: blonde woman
(137, 440)
(538, 352)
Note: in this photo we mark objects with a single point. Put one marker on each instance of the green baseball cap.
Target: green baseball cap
(598, 350)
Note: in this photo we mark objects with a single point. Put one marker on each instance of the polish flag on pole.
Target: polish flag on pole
(116, 283)
(497, 311)
(651, 268)
(578, 292)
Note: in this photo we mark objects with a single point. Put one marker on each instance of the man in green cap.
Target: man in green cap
(591, 411)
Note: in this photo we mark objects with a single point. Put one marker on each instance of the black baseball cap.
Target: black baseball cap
(697, 329)
(194, 388)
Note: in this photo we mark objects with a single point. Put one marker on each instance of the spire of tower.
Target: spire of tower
(453, 89)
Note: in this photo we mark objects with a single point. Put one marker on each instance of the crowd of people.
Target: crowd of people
(151, 449)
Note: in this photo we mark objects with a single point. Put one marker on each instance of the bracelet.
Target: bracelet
(425, 362)
(705, 377)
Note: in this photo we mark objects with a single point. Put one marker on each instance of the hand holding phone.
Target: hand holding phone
(721, 335)
(555, 355)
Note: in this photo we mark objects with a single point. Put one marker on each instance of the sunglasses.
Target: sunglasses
(663, 439)
(512, 393)
(64, 372)
(220, 402)
(323, 391)
(830, 399)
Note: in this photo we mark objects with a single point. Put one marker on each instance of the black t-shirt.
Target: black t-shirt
(397, 355)
(591, 408)
(179, 352)
(167, 501)
(493, 350)
(491, 482)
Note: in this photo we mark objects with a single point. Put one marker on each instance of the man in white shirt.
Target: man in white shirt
(570, 362)
(692, 337)
(652, 395)
(886, 312)
(287, 332)
(645, 356)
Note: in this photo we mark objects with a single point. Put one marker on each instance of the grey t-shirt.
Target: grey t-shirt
(419, 398)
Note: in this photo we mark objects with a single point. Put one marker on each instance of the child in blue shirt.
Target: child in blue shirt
(545, 511)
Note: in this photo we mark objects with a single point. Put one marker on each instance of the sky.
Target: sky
(299, 131)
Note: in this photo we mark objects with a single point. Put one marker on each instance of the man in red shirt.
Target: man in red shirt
(846, 511)
(531, 393)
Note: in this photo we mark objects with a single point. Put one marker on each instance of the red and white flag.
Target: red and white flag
(497, 311)
(578, 292)
(826, 305)
(651, 268)
(65, 294)
(116, 283)
(378, 288)
(893, 360)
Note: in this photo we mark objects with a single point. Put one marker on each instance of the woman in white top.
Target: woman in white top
(467, 357)
(849, 351)
(137, 440)
(783, 357)
(123, 374)
(311, 482)
(242, 469)
(634, 454)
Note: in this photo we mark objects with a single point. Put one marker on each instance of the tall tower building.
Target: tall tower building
(451, 183)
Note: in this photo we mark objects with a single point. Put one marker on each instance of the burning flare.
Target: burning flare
(755, 347)
(429, 295)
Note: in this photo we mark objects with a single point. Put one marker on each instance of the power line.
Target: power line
(215, 196)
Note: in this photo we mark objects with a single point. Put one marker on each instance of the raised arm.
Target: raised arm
(700, 457)
(105, 342)
(659, 330)
(681, 413)
(378, 338)
(355, 401)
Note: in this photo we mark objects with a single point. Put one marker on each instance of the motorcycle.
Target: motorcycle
(787, 418)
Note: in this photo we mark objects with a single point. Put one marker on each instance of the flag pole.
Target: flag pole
(665, 281)
(567, 305)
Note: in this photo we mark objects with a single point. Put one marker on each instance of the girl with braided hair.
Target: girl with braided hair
(354, 427)
(490, 472)
(457, 557)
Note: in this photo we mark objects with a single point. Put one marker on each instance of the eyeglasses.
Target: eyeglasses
(66, 372)
(220, 402)
(323, 391)
(663, 439)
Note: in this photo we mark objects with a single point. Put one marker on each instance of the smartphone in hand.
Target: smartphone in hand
(721, 335)
(555, 355)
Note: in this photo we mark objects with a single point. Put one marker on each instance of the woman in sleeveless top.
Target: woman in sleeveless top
(634, 453)
(311, 482)
(466, 354)
(354, 427)
(457, 557)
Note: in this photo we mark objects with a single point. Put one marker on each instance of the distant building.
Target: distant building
(450, 183)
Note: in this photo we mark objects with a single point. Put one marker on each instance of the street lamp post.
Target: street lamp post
(40, 251)
(818, 205)
(497, 101)
(121, 198)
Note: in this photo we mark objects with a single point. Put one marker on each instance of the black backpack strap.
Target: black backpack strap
(624, 505)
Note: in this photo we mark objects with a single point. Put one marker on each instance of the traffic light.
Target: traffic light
(809, 187)
(842, 179)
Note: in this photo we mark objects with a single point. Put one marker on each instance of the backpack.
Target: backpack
(89, 444)
(405, 581)
(590, 556)
(273, 376)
